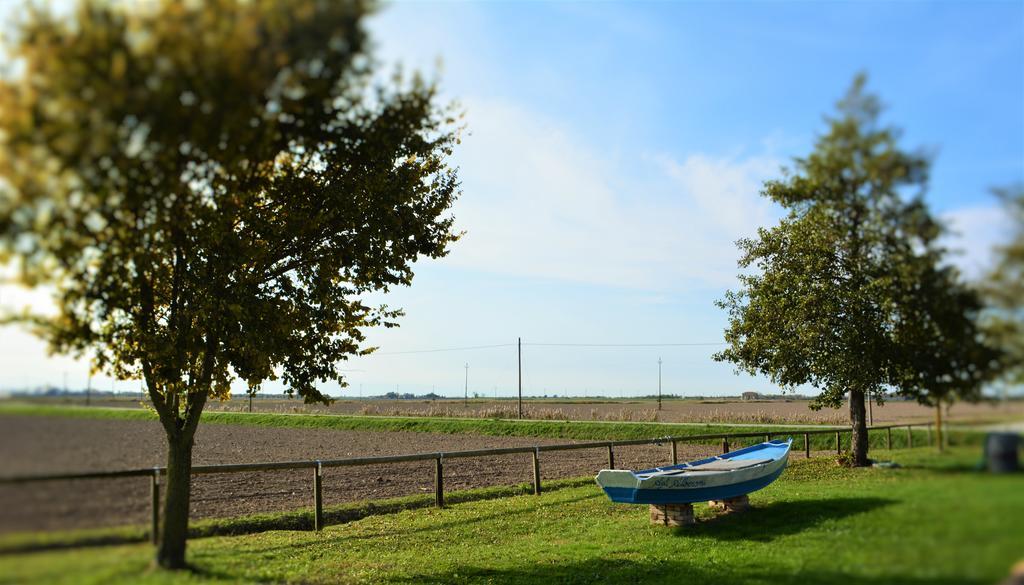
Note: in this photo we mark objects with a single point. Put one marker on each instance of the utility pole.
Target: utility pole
(519, 344)
(465, 401)
(65, 381)
(659, 383)
(88, 388)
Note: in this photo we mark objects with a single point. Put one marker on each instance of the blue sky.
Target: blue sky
(613, 155)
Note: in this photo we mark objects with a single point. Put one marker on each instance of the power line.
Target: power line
(628, 344)
(442, 349)
(497, 345)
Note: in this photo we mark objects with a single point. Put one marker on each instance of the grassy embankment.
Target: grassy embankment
(934, 521)
(573, 430)
(298, 519)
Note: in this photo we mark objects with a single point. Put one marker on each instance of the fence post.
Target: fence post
(675, 453)
(318, 497)
(439, 481)
(910, 438)
(807, 445)
(767, 437)
(154, 491)
(611, 457)
(839, 444)
(725, 444)
(888, 438)
(536, 471)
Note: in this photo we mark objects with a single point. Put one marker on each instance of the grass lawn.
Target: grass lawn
(936, 520)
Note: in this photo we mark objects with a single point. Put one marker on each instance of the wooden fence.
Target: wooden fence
(317, 466)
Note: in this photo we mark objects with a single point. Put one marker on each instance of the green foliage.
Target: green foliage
(817, 524)
(1003, 290)
(210, 187)
(850, 293)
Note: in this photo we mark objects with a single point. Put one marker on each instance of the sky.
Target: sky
(612, 155)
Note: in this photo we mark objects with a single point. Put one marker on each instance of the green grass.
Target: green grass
(933, 521)
(579, 430)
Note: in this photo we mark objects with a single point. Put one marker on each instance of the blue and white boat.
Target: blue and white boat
(730, 475)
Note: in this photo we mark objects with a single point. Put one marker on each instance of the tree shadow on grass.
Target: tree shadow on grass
(958, 467)
(766, 522)
(207, 574)
(656, 571)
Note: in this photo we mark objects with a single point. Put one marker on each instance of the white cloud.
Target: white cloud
(974, 234)
(726, 191)
(721, 203)
(540, 203)
(541, 199)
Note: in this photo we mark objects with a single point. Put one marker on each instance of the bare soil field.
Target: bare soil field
(697, 411)
(794, 411)
(43, 444)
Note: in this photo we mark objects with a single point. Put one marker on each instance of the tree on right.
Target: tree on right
(851, 293)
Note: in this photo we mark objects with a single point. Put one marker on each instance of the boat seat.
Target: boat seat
(717, 465)
(673, 472)
(728, 464)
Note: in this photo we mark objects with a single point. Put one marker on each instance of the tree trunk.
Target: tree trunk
(171, 550)
(859, 424)
(938, 425)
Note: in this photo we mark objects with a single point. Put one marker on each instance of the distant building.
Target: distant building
(750, 396)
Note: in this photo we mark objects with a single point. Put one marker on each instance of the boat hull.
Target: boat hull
(730, 475)
(690, 495)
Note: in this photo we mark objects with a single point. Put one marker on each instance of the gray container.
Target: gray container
(1001, 452)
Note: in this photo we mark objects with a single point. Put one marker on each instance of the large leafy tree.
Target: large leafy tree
(1003, 290)
(210, 188)
(849, 292)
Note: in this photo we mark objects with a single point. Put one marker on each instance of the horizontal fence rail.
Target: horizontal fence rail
(438, 458)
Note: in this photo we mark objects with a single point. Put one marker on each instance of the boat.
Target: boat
(725, 476)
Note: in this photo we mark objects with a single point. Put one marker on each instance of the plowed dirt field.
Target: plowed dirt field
(43, 444)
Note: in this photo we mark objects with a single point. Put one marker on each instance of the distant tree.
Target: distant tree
(849, 292)
(210, 187)
(1003, 290)
(940, 353)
